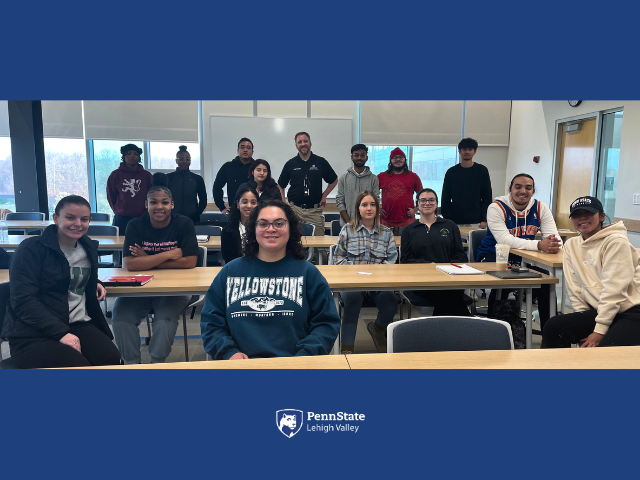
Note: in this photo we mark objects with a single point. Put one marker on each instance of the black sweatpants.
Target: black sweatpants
(445, 302)
(563, 330)
(97, 349)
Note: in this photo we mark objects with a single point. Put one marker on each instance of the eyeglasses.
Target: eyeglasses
(398, 157)
(424, 201)
(277, 224)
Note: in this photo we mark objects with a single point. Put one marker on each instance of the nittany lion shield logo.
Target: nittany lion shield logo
(289, 421)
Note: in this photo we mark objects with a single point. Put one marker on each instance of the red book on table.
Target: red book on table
(126, 280)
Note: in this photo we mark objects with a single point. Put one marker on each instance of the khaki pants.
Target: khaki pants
(312, 216)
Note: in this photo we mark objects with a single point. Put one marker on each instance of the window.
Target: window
(7, 197)
(431, 163)
(609, 161)
(106, 159)
(66, 163)
(379, 157)
(162, 155)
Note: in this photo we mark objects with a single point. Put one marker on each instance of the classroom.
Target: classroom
(571, 149)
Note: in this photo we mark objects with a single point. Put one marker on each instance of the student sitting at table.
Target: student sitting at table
(433, 239)
(514, 220)
(271, 302)
(365, 241)
(603, 279)
(53, 318)
(159, 239)
(261, 181)
(233, 234)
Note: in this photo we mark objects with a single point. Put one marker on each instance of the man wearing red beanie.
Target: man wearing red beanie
(397, 185)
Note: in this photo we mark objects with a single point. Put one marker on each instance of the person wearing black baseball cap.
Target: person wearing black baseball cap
(127, 187)
(603, 280)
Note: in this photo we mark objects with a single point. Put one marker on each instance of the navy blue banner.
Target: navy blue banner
(334, 50)
(393, 424)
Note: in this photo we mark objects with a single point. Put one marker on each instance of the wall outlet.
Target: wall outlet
(636, 198)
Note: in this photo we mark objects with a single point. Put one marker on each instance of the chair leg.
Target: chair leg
(148, 339)
(186, 342)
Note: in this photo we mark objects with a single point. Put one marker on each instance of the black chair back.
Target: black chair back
(211, 230)
(102, 230)
(213, 218)
(335, 228)
(475, 239)
(307, 229)
(4, 301)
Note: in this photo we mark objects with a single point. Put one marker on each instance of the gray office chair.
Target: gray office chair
(193, 303)
(106, 231)
(214, 258)
(100, 217)
(34, 216)
(441, 334)
(7, 363)
(308, 231)
(335, 227)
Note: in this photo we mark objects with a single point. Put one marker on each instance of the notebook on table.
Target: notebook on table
(126, 280)
(459, 269)
(202, 238)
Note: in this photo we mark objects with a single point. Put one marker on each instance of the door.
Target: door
(575, 169)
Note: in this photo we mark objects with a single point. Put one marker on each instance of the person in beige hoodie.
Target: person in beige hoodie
(603, 279)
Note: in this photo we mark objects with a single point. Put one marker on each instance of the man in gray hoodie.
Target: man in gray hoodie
(357, 179)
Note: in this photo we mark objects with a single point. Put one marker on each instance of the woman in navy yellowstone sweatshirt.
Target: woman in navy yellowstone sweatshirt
(271, 302)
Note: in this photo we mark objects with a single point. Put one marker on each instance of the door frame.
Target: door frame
(559, 124)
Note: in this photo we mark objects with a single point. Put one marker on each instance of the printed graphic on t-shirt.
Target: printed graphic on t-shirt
(79, 280)
(132, 186)
(262, 295)
(157, 247)
(395, 190)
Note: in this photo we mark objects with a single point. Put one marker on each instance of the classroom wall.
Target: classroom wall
(495, 159)
(533, 125)
(284, 109)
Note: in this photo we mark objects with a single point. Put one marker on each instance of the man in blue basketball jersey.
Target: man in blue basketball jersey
(514, 220)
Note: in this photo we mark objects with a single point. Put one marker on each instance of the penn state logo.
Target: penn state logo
(289, 421)
(261, 304)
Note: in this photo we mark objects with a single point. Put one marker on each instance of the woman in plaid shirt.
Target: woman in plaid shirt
(365, 241)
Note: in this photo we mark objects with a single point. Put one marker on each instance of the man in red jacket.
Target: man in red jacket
(397, 185)
(127, 187)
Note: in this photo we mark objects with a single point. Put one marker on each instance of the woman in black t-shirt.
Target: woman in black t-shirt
(159, 239)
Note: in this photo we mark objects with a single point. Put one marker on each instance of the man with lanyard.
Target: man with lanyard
(514, 220)
(233, 174)
(305, 172)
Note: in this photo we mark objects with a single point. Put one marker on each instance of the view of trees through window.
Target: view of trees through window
(162, 155)
(7, 197)
(66, 163)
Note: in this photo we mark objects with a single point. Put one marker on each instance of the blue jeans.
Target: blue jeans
(386, 303)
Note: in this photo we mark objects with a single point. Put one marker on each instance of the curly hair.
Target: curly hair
(294, 244)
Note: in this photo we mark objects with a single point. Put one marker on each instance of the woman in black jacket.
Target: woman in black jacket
(433, 239)
(261, 181)
(232, 236)
(187, 188)
(54, 318)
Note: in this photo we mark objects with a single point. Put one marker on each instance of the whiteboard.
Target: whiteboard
(273, 141)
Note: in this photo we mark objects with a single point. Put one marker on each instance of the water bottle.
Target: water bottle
(4, 232)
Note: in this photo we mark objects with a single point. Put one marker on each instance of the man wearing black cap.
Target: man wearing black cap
(127, 188)
(233, 174)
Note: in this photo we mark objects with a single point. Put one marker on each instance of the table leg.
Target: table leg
(553, 299)
(562, 288)
(319, 250)
(336, 345)
(529, 316)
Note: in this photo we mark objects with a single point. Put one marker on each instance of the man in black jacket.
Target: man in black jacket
(466, 190)
(233, 174)
(187, 188)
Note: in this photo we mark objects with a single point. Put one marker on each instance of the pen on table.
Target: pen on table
(458, 266)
